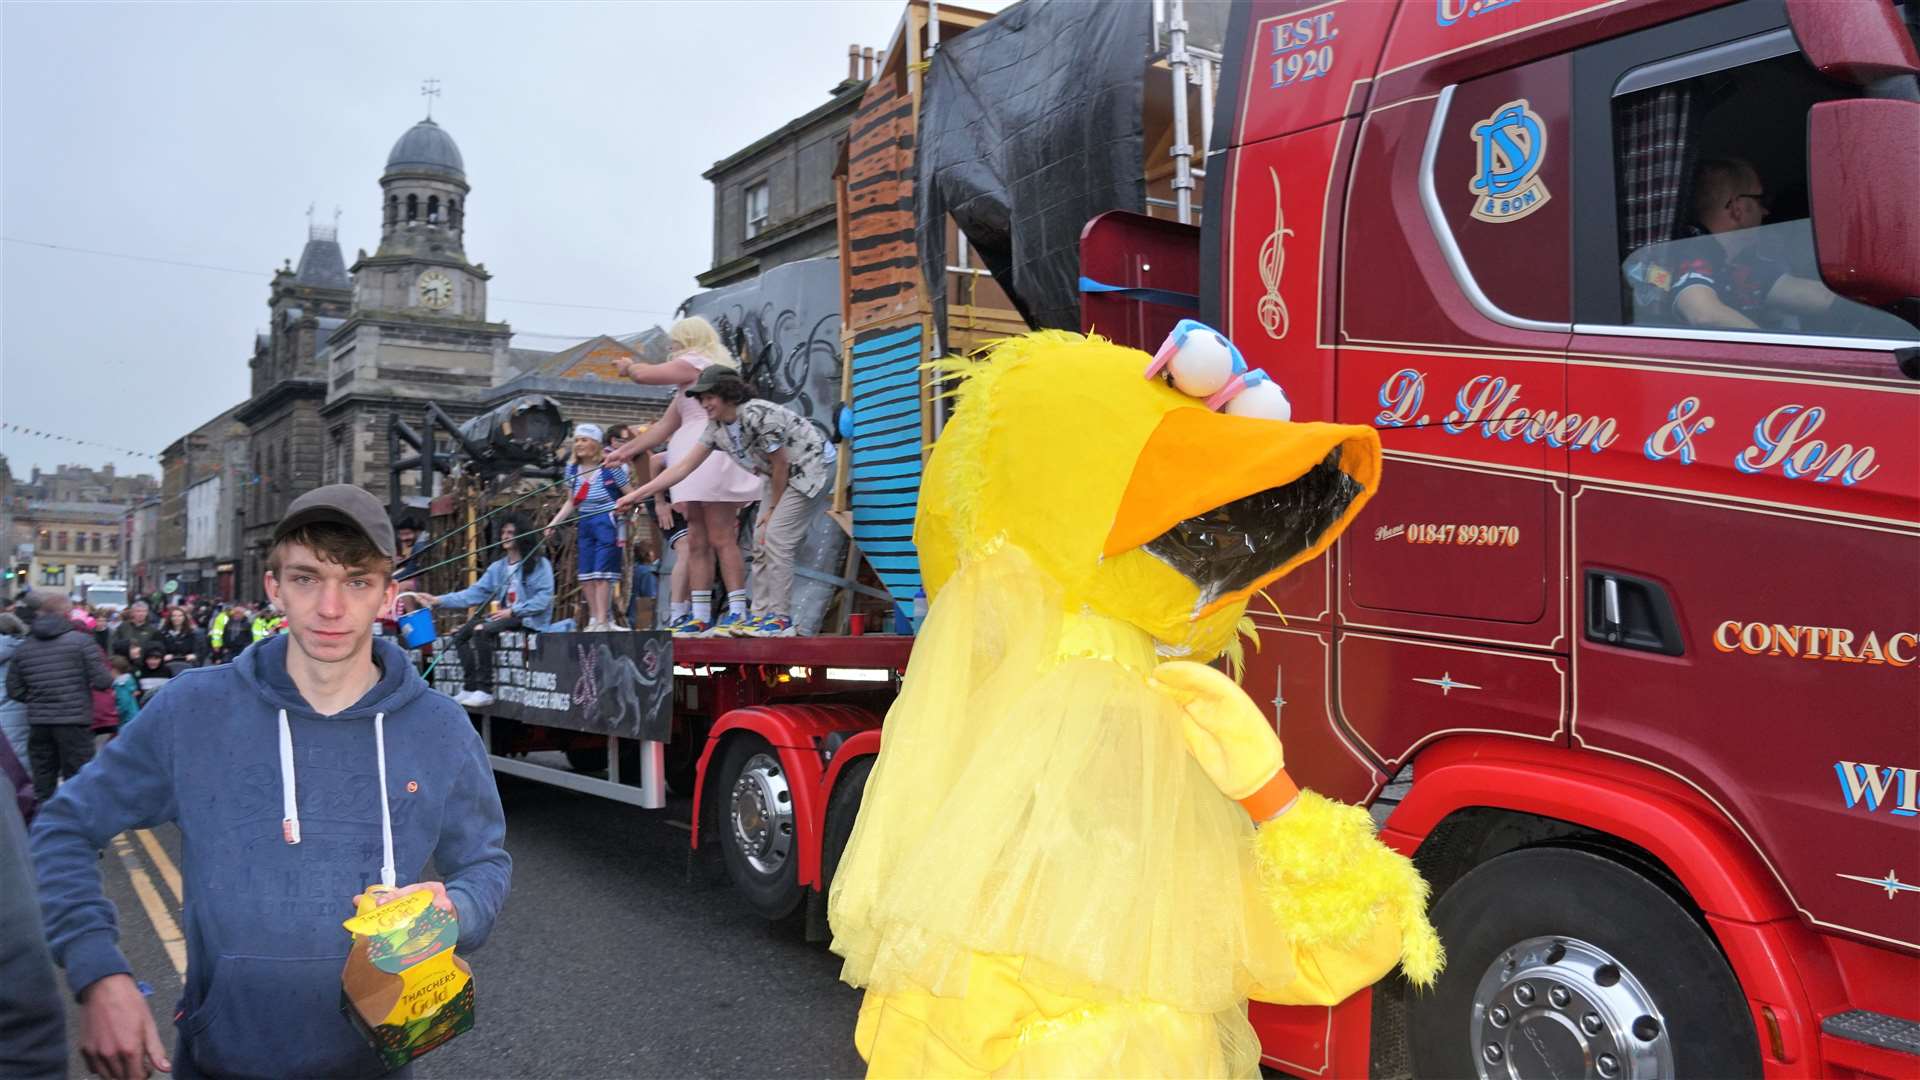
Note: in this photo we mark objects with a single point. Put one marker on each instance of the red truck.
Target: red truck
(1628, 288)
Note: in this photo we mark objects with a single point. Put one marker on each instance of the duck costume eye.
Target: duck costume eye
(1200, 362)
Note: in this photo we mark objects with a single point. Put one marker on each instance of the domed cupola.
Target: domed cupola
(424, 194)
(426, 147)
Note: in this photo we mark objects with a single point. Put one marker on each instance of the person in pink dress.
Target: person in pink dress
(710, 498)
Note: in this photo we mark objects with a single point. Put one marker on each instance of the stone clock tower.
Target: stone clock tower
(418, 327)
(422, 266)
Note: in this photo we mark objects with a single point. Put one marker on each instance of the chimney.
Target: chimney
(853, 62)
(866, 62)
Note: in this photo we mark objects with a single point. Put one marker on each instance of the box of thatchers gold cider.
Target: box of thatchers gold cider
(403, 987)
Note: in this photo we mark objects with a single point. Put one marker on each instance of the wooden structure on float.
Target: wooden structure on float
(887, 329)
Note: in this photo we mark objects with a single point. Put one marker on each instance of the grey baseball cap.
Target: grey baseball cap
(342, 504)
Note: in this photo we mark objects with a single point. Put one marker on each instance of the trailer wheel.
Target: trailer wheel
(757, 826)
(1562, 962)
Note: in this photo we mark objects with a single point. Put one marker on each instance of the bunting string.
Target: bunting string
(54, 436)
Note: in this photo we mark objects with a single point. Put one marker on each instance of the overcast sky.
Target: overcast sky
(200, 134)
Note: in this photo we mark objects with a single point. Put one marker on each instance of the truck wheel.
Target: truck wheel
(1561, 962)
(757, 826)
(843, 806)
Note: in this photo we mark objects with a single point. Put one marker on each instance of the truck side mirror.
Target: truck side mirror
(1865, 196)
(1860, 41)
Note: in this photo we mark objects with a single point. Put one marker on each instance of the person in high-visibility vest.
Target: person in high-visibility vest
(217, 631)
(268, 623)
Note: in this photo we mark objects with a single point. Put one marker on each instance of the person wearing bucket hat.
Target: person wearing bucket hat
(593, 486)
(324, 719)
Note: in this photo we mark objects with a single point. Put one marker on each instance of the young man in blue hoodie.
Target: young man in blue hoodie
(314, 766)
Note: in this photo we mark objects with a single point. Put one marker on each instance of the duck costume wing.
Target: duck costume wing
(1057, 870)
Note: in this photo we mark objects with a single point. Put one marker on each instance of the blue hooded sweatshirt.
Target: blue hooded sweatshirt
(280, 813)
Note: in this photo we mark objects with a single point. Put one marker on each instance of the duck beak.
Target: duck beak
(1235, 502)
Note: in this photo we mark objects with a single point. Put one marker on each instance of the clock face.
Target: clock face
(436, 289)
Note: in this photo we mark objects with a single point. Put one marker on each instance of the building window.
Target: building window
(433, 209)
(453, 214)
(393, 210)
(53, 575)
(413, 208)
(96, 543)
(60, 540)
(756, 209)
(113, 543)
(88, 568)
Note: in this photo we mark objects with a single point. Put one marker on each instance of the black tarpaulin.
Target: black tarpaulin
(1030, 125)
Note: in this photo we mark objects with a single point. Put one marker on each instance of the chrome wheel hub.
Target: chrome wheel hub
(1559, 1007)
(761, 814)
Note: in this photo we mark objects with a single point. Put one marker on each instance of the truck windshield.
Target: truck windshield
(114, 597)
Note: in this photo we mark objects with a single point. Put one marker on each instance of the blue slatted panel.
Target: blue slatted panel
(886, 456)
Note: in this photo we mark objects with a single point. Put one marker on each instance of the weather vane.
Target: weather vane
(430, 90)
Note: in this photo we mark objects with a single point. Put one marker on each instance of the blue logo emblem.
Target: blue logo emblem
(1510, 147)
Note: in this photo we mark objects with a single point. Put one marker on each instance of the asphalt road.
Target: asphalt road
(610, 960)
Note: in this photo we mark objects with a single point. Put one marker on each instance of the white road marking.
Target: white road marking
(169, 873)
(163, 924)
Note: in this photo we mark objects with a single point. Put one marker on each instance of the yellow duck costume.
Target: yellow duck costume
(1053, 873)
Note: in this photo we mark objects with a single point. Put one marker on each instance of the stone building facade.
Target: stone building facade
(282, 414)
(72, 542)
(773, 200)
(350, 350)
(68, 525)
(203, 476)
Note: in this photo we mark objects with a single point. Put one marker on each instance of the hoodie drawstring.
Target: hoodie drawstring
(290, 803)
(386, 818)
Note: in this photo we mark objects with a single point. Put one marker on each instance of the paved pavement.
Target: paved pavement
(608, 961)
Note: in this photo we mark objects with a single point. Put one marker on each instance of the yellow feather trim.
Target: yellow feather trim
(1327, 879)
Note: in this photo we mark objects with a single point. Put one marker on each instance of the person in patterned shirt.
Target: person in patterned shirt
(796, 462)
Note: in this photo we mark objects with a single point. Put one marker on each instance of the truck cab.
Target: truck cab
(1624, 652)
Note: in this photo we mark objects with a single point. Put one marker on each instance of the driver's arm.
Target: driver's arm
(1701, 306)
(1802, 296)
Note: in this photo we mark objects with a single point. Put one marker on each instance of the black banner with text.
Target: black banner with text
(612, 683)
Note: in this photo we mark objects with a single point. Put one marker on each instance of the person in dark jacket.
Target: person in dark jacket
(135, 632)
(33, 1016)
(180, 638)
(55, 671)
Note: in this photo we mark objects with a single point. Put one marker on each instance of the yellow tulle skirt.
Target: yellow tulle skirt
(1041, 879)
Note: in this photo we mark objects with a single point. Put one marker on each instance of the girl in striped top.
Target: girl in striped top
(593, 487)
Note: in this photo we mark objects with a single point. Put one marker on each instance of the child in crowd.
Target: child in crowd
(124, 688)
(594, 487)
(154, 674)
(796, 461)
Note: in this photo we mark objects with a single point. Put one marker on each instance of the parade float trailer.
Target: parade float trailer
(1624, 653)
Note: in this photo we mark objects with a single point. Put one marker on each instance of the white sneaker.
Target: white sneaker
(479, 699)
(464, 697)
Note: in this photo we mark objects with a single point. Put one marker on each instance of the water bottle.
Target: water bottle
(919, 609)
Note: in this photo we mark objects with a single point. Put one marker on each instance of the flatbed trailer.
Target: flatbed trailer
(763, 733)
